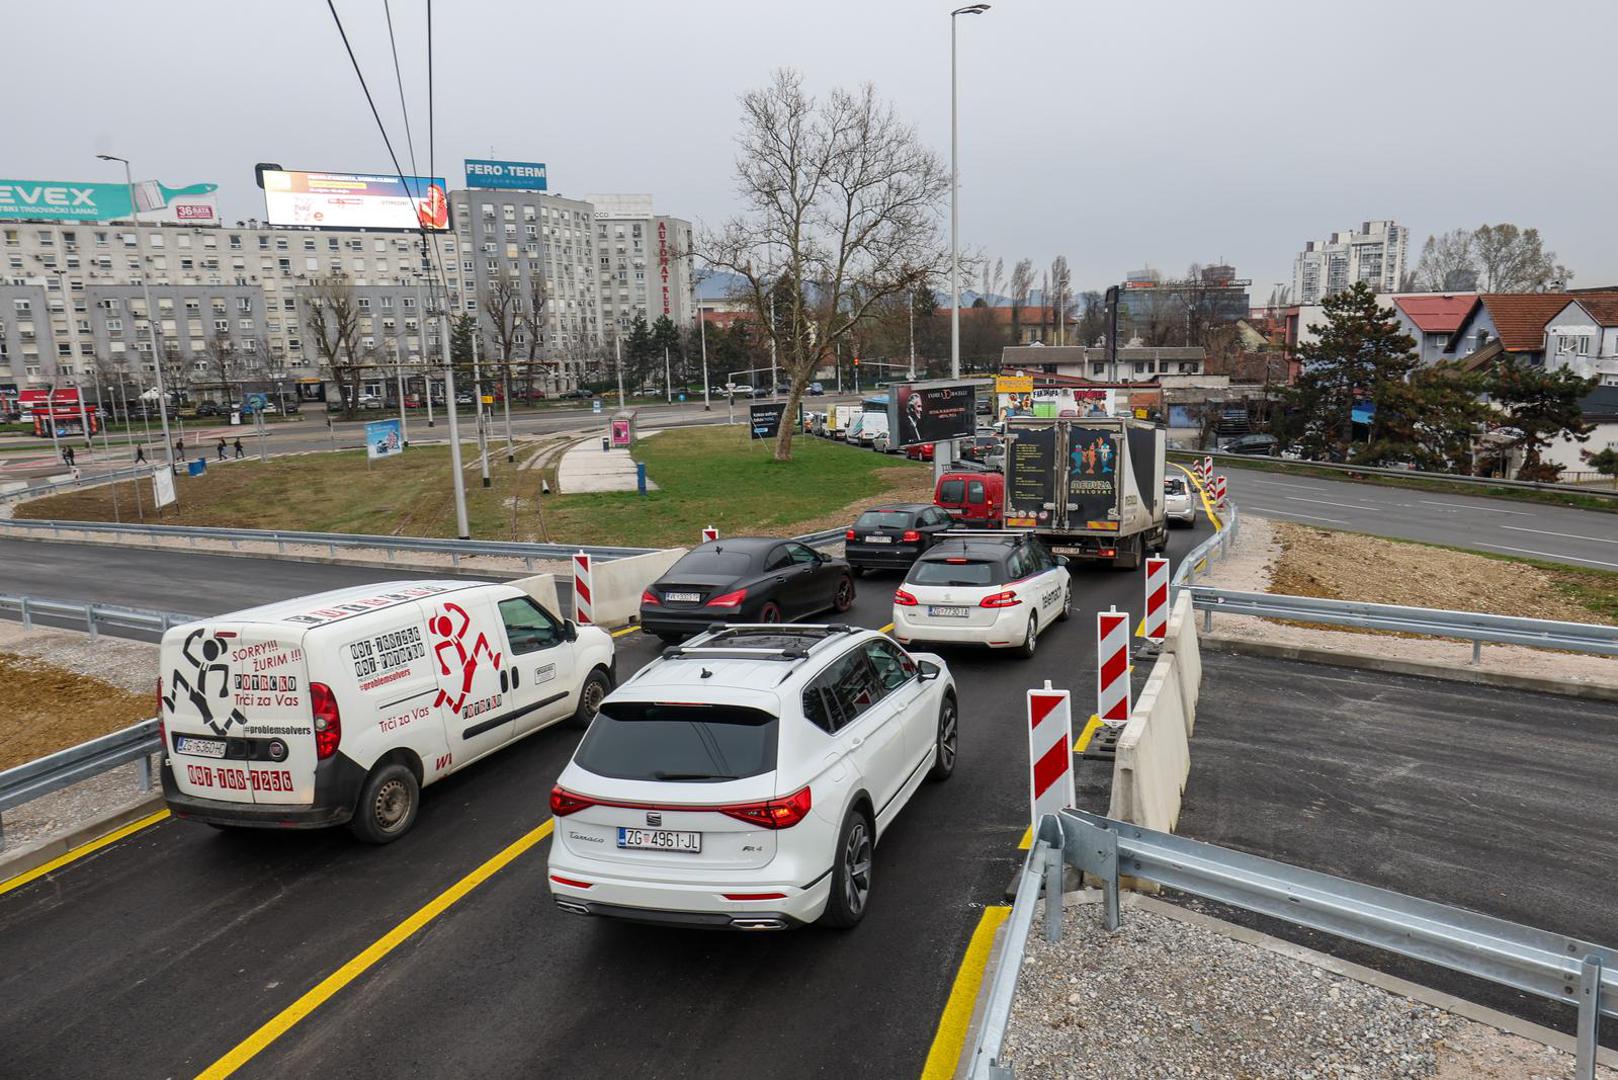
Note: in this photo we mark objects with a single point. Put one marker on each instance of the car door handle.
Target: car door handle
(780, 579)
(856, 742)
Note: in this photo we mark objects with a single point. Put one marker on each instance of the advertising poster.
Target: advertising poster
(505, 175)
(924, 414)
(620, 433)
(1030, 476)
(1092, 485)
(162, 487)
(1057, 402)
(77, 200)
(356, 200)
(383, 438)
(764, 418)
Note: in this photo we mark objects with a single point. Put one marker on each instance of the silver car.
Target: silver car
(1179, 504)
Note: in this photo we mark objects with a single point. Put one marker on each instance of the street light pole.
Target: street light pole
(477, 405)
(421, 340)
(702, 332)
(954, 226)
(461, 528)
(151, 321)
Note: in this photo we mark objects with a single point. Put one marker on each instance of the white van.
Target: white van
(340, 707)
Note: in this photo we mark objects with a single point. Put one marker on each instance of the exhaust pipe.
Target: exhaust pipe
(758, 924)
(568, 905)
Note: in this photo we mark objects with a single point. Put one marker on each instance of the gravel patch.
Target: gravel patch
(1163, 998)
(131, 665)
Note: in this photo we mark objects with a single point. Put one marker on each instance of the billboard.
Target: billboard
(76, 200)
(356, 200)
(1058, 401)
(506, 175)
(924, 413)
(764, 418)
(383, 438)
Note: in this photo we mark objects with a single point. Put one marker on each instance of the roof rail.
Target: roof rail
(715, 648)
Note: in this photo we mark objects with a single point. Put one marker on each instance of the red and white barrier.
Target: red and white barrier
(1050, 751)
(1207, 469)
(710, 534)
(583, 591)
(1219, 490)
(1112, 665)
(1157, 600)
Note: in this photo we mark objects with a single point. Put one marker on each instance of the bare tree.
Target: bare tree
(1022, 284)
(501, 305)
(842, 202)
(1513, 260)
(334, 318)
(1448, 263)
(994, 276)
(223, 363)
(531, 317)
(1060, 298)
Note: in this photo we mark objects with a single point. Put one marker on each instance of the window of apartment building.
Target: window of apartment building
(244, 303)
(309, 245)
(311, 263)
(187, 264)
(11, 237)
(245, 325)
(509, 212)
(235, 242)
(333, 244)
(115, 326)
(130, 239)
(359, 266)
(468, 267)
(288, 304)
(23, 306)
(192, 305)
(154, 239)
(409, 303)
(528, 213)
(182, 240)
(159, 262)
(284, 265)
(365, 303)
(45, 238)
(488, 211)
(264, 243)
(282, 242)
(221, 325)
(16, 262)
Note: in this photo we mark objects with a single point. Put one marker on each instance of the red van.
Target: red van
(971, 497)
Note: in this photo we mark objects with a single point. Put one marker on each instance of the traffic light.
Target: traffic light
(856, 361)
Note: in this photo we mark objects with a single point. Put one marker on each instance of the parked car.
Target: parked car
(1263, 445)
(339, 708)
(920, 452)
(370, 402)
(209, 408)
(744, 580)
(743, 390)
(816, 390)
(1179, 504)
(1001, 590)
(577, 394)
(743, 780)
(890, 537)
(972, 497)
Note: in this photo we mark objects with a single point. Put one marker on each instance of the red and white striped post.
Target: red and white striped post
(1207, 469)
(1219, 490)
(1050, 751)
(1112, 666)
(583, 591)
(1157, 600)
(710, 534)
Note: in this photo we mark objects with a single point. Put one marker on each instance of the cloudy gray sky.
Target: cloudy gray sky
(1118, 134)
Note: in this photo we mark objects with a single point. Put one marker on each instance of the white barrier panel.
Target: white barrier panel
(1182, 642)
(618, 584)
(710, 534)
(1219, 490)
(1050, 751)
(1154, 756)
(542, 589)
(1157, 599)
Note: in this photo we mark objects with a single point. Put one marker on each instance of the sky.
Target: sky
(1120, 135)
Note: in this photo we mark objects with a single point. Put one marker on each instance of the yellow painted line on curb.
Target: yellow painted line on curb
(1027, 840)
(1082, 743)
(625, 630)
(80, 852)
(1207, 504)
(886, 629)
(312, 999)
(945, 1053)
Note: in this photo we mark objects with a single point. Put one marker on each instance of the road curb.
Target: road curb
(55, 847)
(1430, 669)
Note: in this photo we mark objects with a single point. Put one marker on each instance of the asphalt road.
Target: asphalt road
(1496, 800)
(160, 953)
(1521, 529)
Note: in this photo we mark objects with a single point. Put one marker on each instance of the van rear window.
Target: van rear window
(952, 491)
(639, 740)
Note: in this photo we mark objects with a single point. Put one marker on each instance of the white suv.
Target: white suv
(742, 780)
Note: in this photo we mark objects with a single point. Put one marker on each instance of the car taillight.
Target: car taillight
(1008, 598)
(904, 599)
(730, 599)
(849, 535)
(565, 802)
(649, 598)
(911, 536)
(782, 813)
(328, 720)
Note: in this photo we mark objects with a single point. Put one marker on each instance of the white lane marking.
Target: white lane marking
(1294, 513)
(1469, 506)
(1278, 483)
(1565, 536)
(1330, 502)
(1553, 556)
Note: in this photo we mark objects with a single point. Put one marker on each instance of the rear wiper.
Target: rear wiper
(660, 775)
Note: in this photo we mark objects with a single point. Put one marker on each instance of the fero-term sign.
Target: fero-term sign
(508, 175)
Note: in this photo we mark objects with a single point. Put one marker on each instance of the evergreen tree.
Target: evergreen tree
(1359, 355)
(1431, 420)
(461, 329)
(1543, 406)
(664, 336)
(638, 350)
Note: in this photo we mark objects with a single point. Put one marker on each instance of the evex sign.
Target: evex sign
(73, 200)
(46, 195)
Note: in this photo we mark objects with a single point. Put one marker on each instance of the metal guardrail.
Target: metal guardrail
(1552, 966)
(127, 472)
(1407, 474)
(94, 616)
(65, 767)
(1216, 546)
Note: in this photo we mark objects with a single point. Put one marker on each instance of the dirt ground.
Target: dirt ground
(908, 485)
(44, 708)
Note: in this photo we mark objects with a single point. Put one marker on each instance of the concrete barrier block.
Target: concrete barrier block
(542, 588)
(1182, 642)
(619, 583)
(1154, 756)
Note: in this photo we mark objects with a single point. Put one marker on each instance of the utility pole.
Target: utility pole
(954, 220)
(398, 374)
(702, 332)
(461, 528)
(421, 340)
(618, 351)
(505, 389)
(668, 378)
(913, 338)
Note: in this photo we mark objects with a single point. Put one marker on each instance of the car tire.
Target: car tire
(843, 598)
(1030, 640)
(1067, 604)
(851, 872)
(946, 744)
(596, 687)
(387, 804)
(770, 612)
(857, 571)
(671, 639)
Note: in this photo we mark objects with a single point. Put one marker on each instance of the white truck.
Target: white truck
(339, 708)
(1090, 487)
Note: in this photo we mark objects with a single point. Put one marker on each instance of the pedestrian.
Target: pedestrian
(221, 448)
(239, 452)
(67, 456)
(179, 449)
(140, 454)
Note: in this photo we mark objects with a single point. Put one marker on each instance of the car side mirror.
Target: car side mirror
(929, 670)
(570, 631)
(821, 556)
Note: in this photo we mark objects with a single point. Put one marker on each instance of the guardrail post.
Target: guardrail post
(1584, 1043)
(528, 563)
(331, 549)
(145, 773)
(1053, 894)
(280, 545)
(27, 619)
(2, 831)
(56, 530)
(90, 619)
(1207, 620)
(455, 558)
(1477, 651)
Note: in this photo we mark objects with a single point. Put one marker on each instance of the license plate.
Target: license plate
(879, 539)
(947, 612)
(190, 744)
(660, 840)
(682, 597)
(1066, 550)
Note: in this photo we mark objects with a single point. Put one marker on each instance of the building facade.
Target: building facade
(1158, 312)
(1375, 254)
(644, 263)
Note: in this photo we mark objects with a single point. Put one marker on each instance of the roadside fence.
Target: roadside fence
(95, 617)
(29, 781)
(1285, 464)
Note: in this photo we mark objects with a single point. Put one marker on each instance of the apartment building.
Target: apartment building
(643, 263)
(1375, 255)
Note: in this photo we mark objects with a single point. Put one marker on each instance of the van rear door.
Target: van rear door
(236, 706)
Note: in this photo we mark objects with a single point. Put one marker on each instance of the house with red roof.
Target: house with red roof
(1432, 319)
(1583, 336)
(1515, 324)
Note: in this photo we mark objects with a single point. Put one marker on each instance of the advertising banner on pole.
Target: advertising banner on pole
(764, 418)
(77, 200)
(383, 438)
(505, 175)
(356, 200)
(162, 487)
(932, 412)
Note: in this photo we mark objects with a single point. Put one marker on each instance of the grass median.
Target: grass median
(705, 476)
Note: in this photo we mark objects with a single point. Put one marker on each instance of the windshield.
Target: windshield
(713, 562)
(638, 740)
(876, 519)
(955, 572)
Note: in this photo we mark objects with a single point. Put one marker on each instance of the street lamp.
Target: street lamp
(151, 316)
(954, 222)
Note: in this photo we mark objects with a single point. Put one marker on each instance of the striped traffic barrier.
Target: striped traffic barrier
(1157, 600)
(583, 590)
(710, 534)
(1219, 490)
(1207, 469)
(1050, 751)
(1112, 666)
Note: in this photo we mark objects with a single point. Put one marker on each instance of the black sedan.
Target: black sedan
(890, 537)
(745, 580)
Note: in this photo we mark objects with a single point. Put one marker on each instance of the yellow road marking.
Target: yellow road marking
(1207, 504)
(80, 852)
(289, 1017)
(885, 629)
(1027, 840)
(1140, 628)
(1082, 743)
(950, 1038)
(625, 630)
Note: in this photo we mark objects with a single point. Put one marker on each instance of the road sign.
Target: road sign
(1050, 751)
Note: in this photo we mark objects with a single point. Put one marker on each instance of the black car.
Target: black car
(979, 448)
(1265, 445)
(750, 579)
(890, 537)
(208, 408)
